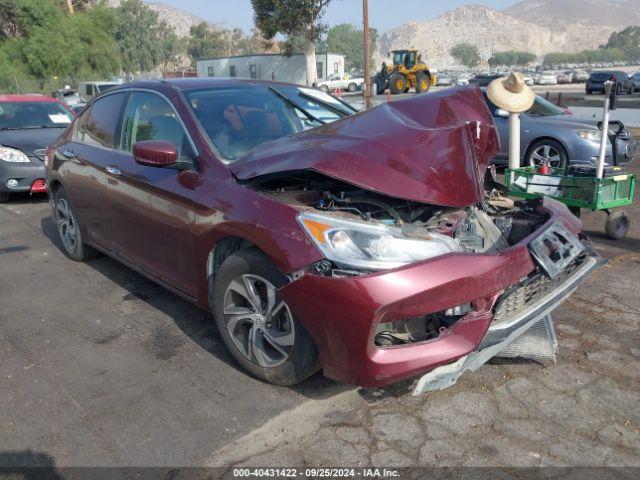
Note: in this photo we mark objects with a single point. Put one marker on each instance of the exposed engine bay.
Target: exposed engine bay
(492, 225)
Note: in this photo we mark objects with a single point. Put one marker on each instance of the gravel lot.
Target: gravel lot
(98, 366)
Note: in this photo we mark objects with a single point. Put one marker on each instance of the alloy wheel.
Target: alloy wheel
(548, 153)
(260, 326)
(67, 226)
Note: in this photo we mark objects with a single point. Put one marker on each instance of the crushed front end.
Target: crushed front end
(509, 266)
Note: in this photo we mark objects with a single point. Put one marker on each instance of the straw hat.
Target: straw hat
(511, 93)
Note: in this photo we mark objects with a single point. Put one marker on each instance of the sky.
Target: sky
(383, 14)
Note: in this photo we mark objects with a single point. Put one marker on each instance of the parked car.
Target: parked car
(313, 244)
(622, 82)
(88, 90)
(463, 79)
(334, 82)
(579, 76)
(484, 79)
(563, 78)
(636, 81)
(528, 79)
(28, 124)
(444, 80)
(549, 133)
(547, 77)
(70, 97)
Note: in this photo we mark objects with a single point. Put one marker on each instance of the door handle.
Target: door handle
(113, 170)
(70, 154)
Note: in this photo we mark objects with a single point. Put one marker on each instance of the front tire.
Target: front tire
(397, 83)
(4, 197)
(423, 82)
(352, 87)
(69, 229)
(257, 326)
(546, 149)
(324, 88)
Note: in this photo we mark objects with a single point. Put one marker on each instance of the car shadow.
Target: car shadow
(630, 244)
(194, 322)
(28, 465)
(28, 198)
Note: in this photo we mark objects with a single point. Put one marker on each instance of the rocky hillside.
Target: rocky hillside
(537, 26)
(179, 20)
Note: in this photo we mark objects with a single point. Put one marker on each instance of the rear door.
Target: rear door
(84, 162)
(151, 208)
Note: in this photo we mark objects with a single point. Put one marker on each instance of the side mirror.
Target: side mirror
(155, 153)
(501, 112)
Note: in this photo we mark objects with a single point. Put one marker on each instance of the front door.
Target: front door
(152, 212)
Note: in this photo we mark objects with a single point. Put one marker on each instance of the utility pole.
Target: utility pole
(367, 54)
(70, 7)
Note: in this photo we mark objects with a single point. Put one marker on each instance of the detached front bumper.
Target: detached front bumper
(341, 314)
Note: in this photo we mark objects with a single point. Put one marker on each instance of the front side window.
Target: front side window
(237, 119)
(544, 108)
(99, 125)
(150, 117)
(19, 115)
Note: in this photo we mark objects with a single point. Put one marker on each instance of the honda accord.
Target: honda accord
(364, 244)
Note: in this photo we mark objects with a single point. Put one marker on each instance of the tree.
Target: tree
(467, 54)
(205, 42)
(510, 58)
(627, 40)
(348, 40)
(145, 41)
(293, 18)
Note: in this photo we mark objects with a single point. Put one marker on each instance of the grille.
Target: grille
(531, 289)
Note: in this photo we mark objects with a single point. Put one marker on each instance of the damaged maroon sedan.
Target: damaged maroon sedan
(371, 245)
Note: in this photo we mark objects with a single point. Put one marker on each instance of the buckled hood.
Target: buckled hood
(432, 148)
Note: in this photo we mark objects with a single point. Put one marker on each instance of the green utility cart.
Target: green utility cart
(607, 193)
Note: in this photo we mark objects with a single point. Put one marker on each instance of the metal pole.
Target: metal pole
(367, 54)
(514, 141)
(605, 128)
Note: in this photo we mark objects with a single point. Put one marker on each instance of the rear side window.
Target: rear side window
(99, 125)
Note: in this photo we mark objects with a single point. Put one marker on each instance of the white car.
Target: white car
(547, 78)
(333, 82)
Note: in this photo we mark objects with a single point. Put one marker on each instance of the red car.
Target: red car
(364, 244)
(28, 125)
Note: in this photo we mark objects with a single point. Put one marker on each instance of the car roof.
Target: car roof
(201, 83)
(27, 98)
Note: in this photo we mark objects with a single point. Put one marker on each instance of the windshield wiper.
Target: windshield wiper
(295, 104)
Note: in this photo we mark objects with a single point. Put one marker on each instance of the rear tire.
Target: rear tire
(397, 83)
(4, 197)
(617, 224)
(352, 87)
(69, 229)
(324, 88)
(260, 331)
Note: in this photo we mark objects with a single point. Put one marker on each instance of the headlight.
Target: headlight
(591, 135)
(12, 155)
(371, 247)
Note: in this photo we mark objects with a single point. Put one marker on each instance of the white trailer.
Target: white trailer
(291, 69)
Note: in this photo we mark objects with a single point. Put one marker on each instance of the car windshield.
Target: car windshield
(544, 108)
(237, 119)
(18, 115)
